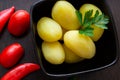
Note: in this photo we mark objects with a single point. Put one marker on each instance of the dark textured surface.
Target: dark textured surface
(111, 73)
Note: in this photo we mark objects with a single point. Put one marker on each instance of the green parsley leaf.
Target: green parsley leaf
(98, 20)
(87, 31)
(79, 15)
(101, 26)
(88, 15)
(87, 19)
(87, 22)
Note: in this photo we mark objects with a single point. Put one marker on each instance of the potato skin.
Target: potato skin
(49, 30)
(98, 32)
(64, 13)
(87, 7)
(70, 56)
(80, 44)
(53, 52)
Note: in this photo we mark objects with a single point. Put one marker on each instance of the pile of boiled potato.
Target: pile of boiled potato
(62, 41)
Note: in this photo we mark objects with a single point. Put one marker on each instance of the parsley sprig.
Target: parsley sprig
(97, 20)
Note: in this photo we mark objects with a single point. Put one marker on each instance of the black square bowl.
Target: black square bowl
(106, 47)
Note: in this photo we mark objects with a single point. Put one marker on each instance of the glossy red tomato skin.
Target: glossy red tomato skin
(11, 54)
(19, 23)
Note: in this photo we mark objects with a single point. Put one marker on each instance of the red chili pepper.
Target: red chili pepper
(11, 54)
(20, 71)
(5, 15)
(19, 23)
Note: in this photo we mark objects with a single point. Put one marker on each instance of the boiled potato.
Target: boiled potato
(70, 56)
(80, 44)
(49, 30)
(53, 52)
(97, 30)
(64, 13)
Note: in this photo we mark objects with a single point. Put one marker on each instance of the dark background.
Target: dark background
(111, 73)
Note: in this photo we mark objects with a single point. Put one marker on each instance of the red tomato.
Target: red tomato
(11, 55)
(19, 23)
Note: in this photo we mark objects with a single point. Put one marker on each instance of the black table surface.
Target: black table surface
(110, 73)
